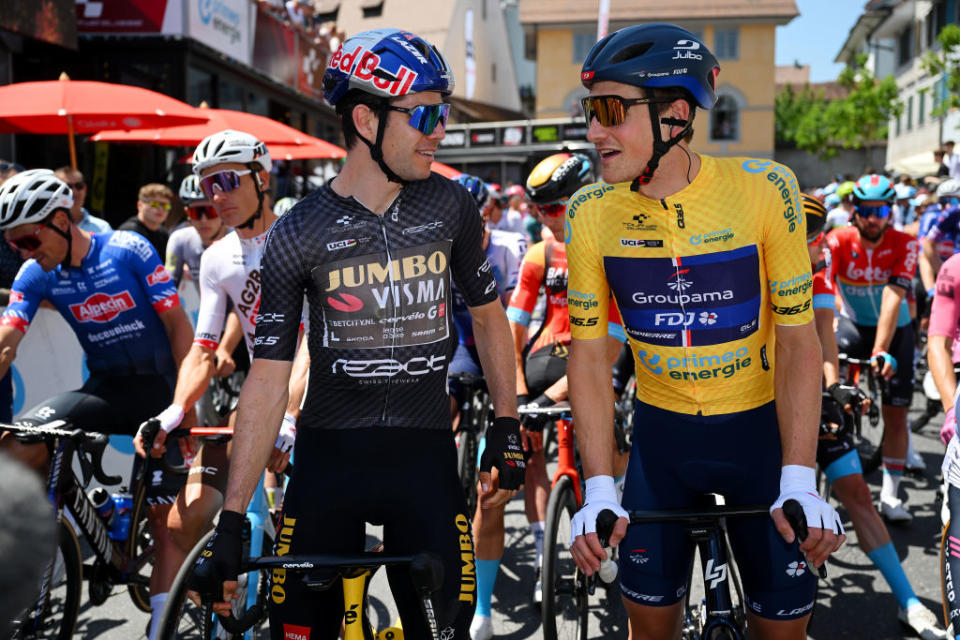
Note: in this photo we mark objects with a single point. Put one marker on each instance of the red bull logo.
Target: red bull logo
(364, 65)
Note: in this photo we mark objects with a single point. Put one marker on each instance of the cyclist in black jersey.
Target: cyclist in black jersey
(375, 252)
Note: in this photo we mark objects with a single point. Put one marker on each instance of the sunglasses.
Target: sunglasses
(28, 242)
(202, 211)
(156, 204)
(612, 110)
(77, 186)
(881, 211)
(552, 209)
(226, 180)
(815, 240)
(950, 200)
(426, 117)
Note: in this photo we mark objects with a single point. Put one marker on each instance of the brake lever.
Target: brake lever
(95, 445)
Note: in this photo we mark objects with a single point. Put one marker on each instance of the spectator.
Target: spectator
(27, 539)
(951, 159)
(943, 170)
(153, 207)
(81, 217)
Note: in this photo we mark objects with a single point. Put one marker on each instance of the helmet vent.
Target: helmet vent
(631, 52)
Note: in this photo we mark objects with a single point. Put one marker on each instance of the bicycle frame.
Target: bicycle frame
(567, 458)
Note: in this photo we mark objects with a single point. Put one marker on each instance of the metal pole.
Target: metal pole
(72, 142)
(603, 19)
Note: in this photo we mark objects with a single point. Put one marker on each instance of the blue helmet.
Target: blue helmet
(650, 55)
(388, 63)
(475, 187)
(874, 187)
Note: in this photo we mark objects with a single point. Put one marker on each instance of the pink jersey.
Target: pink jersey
(945, 313)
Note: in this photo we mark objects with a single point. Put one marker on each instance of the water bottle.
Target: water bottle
(103, 505)
(123, 504)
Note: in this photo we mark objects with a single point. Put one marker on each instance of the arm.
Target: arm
(887, 323)
(232, 335)
(519, 332)
(828, 345)
(495, 348)
(591, 398)
(796, 376)
(259, 413)
(940, 361)
(929, 262)
(179, 332)
(298, 379)
(10, 338)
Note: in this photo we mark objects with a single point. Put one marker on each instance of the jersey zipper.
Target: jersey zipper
(393, 333)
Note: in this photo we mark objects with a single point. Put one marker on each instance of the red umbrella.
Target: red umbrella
(265, 130)
(83, 106)
(445, 170)
(321, 149)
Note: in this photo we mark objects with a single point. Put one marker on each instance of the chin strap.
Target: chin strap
(660, 146)
(66, 236)
(255, 174)
(376, 149)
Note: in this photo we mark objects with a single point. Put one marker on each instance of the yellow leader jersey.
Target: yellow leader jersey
(700, 279)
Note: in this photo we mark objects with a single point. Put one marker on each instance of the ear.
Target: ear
(61, 219)
(263, 179)
(365, 121)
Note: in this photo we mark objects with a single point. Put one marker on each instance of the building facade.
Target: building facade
(740, 33)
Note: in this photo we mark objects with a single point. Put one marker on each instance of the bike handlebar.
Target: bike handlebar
(91, 442)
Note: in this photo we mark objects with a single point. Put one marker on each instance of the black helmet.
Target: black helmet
(650, 55)
(558, 177)
(815, 213)
(656, 56)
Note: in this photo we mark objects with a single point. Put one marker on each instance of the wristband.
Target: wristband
(886, 358)
(170, 418)
(289, 422)
(796, 477)
(601, 489)
(931, 292)
(543, 401)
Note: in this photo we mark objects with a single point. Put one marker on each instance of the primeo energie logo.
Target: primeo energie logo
(697, 367)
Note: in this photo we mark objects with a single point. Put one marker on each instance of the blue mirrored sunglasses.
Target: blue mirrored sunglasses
(881, 211)
(950, 200)
(426, 117)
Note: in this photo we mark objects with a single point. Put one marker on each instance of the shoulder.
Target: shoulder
(128, 243)
(129, 224)
(594, 196)
(31, 272)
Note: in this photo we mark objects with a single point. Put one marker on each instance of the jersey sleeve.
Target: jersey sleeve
(152, 276)
(284, 281)
(26, 293)
(213, 304)
(174, 258)
(906, 266)
(469, 266)
(513, 258)
(945, 312)
(940, 226)
(524, 297)
(588, 294)
(784, 254)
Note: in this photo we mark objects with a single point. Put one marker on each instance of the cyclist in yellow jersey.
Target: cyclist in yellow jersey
(706, 259)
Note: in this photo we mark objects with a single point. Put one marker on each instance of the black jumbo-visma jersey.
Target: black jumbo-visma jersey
(378, 289)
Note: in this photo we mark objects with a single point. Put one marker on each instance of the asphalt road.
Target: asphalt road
(854, 603)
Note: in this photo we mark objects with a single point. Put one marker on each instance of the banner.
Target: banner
(52, 21)
(225, 25)
(275, 48)
(125, 16)
(471, 63)
(313, 62)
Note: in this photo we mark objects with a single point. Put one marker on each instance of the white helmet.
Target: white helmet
(283, 205)
(949, 187)
(31, 196)
(230, 146)
(190, 190)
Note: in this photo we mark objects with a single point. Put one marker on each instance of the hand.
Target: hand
(502, 463)
(284, 445)
(536, 422)
(798, 483)
(169, 419)
(215, 572)
(531, 440)
(845, 395)
(884, 364)
(949, 428)
(225, 364)
(586, 550)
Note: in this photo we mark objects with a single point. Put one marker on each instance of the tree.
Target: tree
(946, 62)
(820, 126)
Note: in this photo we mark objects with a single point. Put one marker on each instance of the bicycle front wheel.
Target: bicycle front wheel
(56, 618)
(140, 547)
(565, 598)
(467, 465)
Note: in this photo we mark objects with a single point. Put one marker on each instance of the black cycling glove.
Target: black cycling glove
(843, 394)
(219, 561)
(504, 452)
(533, 421)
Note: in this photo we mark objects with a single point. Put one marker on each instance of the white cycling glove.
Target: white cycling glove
(601, 494)
(288, 433)
(800, 483)
(170, 418)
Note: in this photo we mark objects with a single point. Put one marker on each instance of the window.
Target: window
(725, 119)
(897, 128)
(583, 41)
(493, 72)
(903, 47)
(910, 113)
(530, 44)
(936, 20)
(199, 86)
(372, 8)
(726, 43)
(483, 9)
(922, 109)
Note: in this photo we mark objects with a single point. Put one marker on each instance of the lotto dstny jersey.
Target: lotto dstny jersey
(504, 252)
(862, 274)
(378, 288)
(701, 278)
(111, 301)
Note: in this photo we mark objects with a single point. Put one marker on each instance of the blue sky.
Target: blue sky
(816, 35)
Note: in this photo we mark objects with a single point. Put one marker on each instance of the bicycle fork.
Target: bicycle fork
(715, 561)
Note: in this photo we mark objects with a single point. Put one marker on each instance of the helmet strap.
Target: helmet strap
(376, 149)
(66, 235)
(254, 173)
(660, 146)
